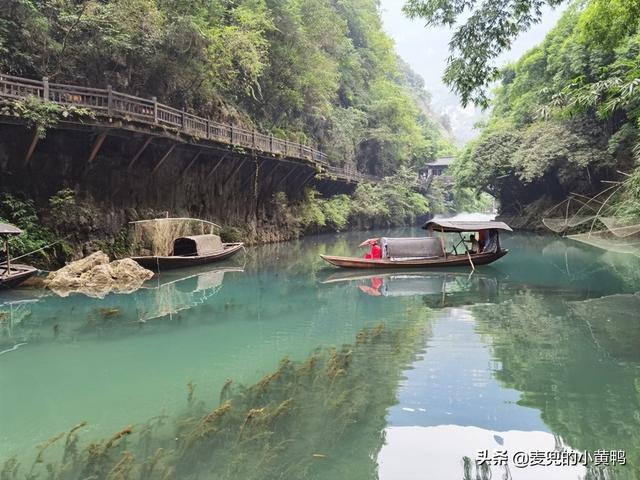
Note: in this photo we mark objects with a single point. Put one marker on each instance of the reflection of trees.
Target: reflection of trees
(571, 369)
(323, 418)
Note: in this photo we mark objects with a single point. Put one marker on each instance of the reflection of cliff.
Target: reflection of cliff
(577, 363)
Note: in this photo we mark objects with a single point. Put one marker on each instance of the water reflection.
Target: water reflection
(439, 289)
(40, 317)
(537, 352)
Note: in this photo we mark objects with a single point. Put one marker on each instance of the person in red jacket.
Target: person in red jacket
(375, 253)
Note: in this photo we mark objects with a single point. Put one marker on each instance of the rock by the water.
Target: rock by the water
(95, 276)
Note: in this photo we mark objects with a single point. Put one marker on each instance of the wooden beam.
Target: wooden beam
(164, 157)
(140, 152)
(215, 167)
(193, 160)
(32, 146)
(96, 146)
(312, 174)
(281, 181)
(235, 170)
(269, 171)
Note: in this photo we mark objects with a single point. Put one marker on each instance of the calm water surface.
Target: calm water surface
(404, 375)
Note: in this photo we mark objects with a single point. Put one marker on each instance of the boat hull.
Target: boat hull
(19, 273)
(449, 261)
(156, 263)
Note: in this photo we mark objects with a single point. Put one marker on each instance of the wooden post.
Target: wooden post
(190, 164)
(442, 242)
(271, 143)
(109, 101)
(164, 157)
(304, 182)
(182, 119)
(208, 129)
(235, 170)
(45, 88)
(96, 146)
(231, 134)
(155, 110)
(282, 180)
(253, 139)
(6, 247)
(139, 152)
(215, 167)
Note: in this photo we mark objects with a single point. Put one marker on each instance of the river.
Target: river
(276, 365)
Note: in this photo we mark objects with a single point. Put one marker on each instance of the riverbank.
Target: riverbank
(82, 224)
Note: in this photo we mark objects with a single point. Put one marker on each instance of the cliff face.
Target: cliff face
(121, 184)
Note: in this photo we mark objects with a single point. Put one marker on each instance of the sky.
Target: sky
(426, 50)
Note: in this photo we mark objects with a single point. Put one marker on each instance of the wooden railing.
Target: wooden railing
(107, 102)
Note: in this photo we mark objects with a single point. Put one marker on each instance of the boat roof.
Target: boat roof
(465, 226)
(8, 229)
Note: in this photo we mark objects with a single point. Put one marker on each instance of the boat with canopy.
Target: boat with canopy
(12, 274)
(169, 243)
(430, 251)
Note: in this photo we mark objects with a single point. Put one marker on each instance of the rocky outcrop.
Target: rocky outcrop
(96, 276)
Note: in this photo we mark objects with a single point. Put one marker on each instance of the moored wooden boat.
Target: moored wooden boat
(179, 243)
(429, 252)
(15, 275)
(12, 274)
(168, 262)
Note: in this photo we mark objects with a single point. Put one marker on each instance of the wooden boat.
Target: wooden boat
(12, 274)
(438, 262)
(190, 252)
(429, 252)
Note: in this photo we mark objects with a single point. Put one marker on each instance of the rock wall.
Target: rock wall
(127, 180)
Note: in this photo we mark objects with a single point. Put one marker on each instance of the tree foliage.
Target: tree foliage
(489, 28)
(566, 115)
(316, 71)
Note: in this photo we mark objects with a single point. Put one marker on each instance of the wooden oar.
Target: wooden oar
(473, 268)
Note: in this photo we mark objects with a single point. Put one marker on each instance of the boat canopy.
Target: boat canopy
(419, 247)
(197, 245)
(462, 226)
(7, 229)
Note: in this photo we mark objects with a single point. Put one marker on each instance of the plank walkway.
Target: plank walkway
(112, 104)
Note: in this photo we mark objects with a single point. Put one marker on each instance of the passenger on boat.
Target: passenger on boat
(375, 253)
(482, 240)
(475, 246)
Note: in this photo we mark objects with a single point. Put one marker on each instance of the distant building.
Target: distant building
(436, 168)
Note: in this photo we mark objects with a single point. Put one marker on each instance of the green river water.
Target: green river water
(334, 374)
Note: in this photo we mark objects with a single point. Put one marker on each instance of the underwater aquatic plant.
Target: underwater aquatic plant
(323, 417)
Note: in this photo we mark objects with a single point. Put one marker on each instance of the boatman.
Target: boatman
(475, 246)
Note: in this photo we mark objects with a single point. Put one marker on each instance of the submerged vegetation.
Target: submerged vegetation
(291, 424)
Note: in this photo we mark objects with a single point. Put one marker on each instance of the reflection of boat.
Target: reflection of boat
(191, 251)
(429, 251)
(169, 294)
(12, 274)
(437, 288)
